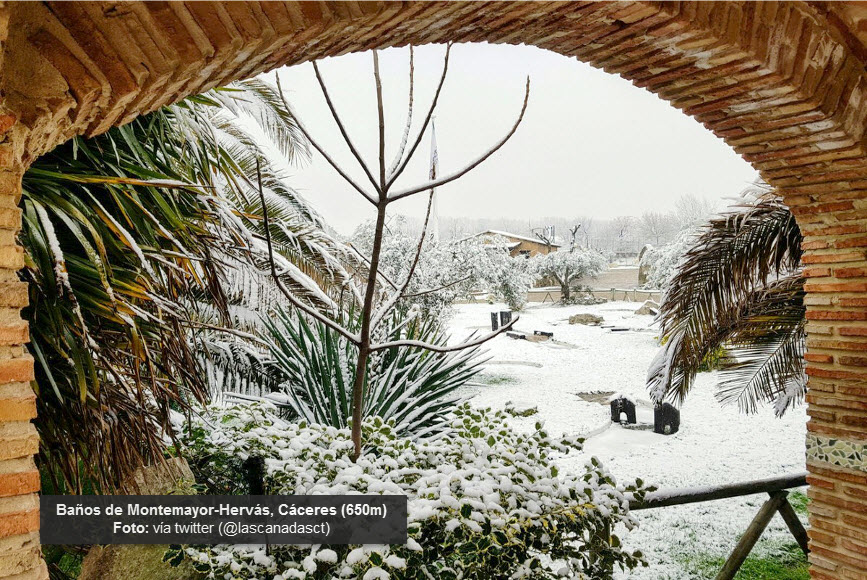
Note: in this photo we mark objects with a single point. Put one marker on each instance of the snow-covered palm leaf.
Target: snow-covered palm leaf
(737, 286)
(125, 266)
(764, 359)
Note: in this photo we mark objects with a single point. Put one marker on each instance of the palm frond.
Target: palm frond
(733, 261)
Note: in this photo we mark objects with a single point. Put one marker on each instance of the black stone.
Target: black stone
(495, 321)
(623, 405)
(666, 419)
(505, 317)
(543, 333)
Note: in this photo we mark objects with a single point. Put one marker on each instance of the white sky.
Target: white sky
(591, 144)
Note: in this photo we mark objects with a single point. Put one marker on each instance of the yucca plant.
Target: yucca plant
(739, 288)
(413, 387)
(131, 240)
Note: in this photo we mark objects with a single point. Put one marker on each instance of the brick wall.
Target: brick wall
(783, 83)
(20, 555)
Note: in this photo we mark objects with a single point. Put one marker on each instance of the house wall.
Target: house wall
(534, 248)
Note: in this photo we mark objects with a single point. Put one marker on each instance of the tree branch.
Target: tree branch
(443, 287)
(321, 150)
(367, 260)
(392, 300)
(460, 173)
(393, 177)
(437, 348)
(310, 311)
(340, 126)
(380, 109)
(405, 139)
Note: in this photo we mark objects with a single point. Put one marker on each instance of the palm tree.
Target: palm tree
(738, 294)
(141, 247)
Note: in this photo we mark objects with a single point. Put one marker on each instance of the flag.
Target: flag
(434, 225)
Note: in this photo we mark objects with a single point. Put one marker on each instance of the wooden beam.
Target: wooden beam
(752, 535)
(670, 497)
(795, 526)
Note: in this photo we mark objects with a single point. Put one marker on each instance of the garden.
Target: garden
(187, 305)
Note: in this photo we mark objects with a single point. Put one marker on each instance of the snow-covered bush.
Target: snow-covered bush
(662, 262)
(484, 500)
(566, 268)
(448, 271)
(315, 367)
(441, 275)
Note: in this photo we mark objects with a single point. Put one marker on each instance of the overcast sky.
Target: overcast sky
(591, 144)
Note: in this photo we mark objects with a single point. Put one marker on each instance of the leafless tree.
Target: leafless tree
(381, 297)
(692, 210)
(656, 225)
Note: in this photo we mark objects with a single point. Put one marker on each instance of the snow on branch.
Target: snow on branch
(340, 126)
(310, 311)
(396, 173)
(442, 349)
(461, 172)
(321, 150)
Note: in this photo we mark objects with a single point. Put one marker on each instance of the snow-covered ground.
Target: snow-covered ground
(714, 445)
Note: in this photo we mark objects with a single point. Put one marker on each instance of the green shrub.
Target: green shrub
(484, 500)
(410, 386)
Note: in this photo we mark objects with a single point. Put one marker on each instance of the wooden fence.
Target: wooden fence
(777, 502)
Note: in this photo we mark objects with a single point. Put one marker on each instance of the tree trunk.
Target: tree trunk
(364, 344)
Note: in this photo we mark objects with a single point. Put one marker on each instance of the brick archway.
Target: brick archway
(783, 83)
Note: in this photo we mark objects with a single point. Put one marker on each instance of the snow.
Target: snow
(715, 444)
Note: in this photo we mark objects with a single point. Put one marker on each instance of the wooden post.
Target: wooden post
(751, 536)
(795, 526)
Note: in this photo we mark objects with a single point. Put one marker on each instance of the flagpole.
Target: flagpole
(434, 166)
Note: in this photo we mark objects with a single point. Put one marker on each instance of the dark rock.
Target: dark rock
(666, 419)
(623, 405)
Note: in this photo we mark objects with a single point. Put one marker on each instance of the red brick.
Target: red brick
(820, 482)
(854, 546)
(850, 272)
(834, 374)
(818, 358)
(17, 523)
(836, 287)
(821, 415)
(852, 391)
(832, 258)
(855, 492)
(13, 334)
(853, 361)
(822, 537)
(851, 242)
(832, 402)
(814, 245)
(19, 483)
(823, 208)
(837, 344)
(817, 272)
(853, 330)
(16, 370)
(18, 409)
(853, 420)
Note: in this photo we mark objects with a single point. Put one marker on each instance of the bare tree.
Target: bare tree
(380, 299)
(692, 210)
(656, 225)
